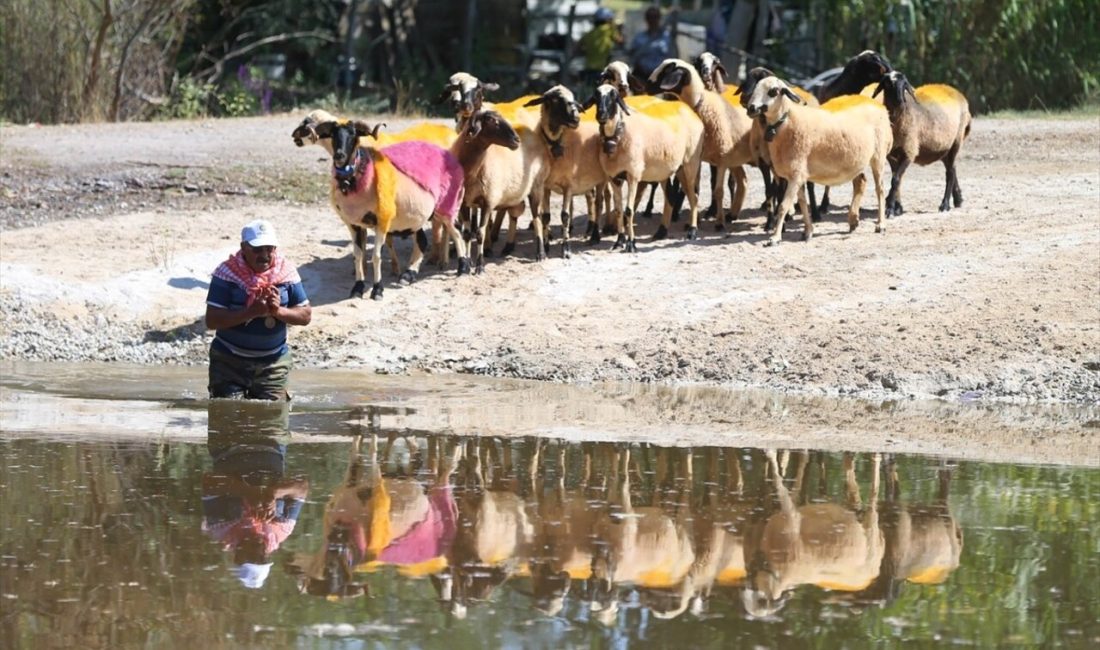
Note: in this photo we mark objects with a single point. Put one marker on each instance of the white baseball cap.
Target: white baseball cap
(252, 576)
(259, 233)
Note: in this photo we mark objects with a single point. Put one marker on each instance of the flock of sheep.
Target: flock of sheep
(631, 132)
(675, 526)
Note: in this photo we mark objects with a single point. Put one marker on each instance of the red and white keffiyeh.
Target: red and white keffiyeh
(236, 270)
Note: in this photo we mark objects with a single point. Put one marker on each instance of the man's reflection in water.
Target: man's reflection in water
(248, 504)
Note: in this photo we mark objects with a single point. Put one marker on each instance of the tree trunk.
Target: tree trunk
(91, 82)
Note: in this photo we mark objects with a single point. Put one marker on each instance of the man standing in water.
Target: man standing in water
(253, 296)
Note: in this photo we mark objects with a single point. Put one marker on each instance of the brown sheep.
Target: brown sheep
(930, 124)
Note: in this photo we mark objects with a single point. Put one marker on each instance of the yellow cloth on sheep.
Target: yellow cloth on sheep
(385, 180)
(379, 504)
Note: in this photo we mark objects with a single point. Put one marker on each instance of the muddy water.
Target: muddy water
(373, 514)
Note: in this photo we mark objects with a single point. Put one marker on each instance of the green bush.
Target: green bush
(1003, 54)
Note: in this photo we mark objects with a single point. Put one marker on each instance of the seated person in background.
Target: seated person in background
(598, 43)
(657, 43)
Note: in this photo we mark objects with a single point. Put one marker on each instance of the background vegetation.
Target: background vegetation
(87, 60)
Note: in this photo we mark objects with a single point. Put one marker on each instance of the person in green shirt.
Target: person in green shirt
(598, 43)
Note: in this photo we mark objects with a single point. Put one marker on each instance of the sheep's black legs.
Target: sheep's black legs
(566, 231)
(815, 213)
(893, 200)
(648, 212)
(951, 190)
(712, 210)
(823, 207)
(769, 188)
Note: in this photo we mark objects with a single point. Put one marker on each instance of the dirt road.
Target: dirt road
(110, 233)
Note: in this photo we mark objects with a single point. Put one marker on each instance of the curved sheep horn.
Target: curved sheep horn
(622, 104)
(909, 89)
(536, 101)
(374, 131)
(362, 129)
(324, 129)
(490, 86)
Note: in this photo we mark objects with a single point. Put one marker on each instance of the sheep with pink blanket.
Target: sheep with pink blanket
(394, 189)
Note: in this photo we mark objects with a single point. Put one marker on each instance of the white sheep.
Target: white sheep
(813, 144)
(645, 147)
(394, 189)
(503, 166)
(727, 144)
(931, 127)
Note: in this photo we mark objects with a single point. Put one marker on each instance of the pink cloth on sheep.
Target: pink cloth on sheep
(433, 168)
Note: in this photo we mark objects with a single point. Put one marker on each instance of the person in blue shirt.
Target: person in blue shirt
(253, 296)
(657, 43)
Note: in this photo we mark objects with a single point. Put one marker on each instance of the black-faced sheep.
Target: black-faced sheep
(727, 126)
(773, 189)
(394, 189)
(814, 144)
(645, 147)
(503, 165)
(572, 148)
(929, 124)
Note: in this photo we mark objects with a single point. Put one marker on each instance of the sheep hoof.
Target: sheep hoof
(880, 228)
(619, 241)
(945, 206)
(958, 201)
(692, 233)
(358, 289)
(630, 247)
(773, 242)
(807, 236)
(540, 254)
(408, 277)
(508, 248)
(376, 291)
(464, 265)
(566, 250)
(661, 233)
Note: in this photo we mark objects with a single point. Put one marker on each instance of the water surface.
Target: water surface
(353, 532)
